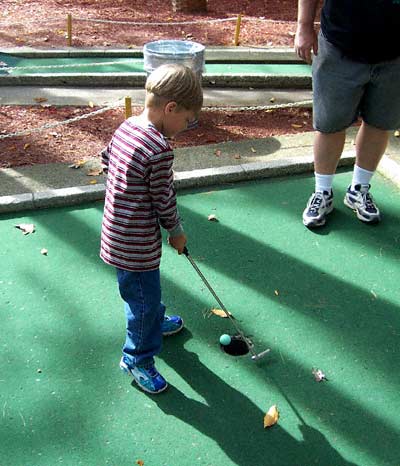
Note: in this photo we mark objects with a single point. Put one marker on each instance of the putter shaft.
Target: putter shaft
(250, 346)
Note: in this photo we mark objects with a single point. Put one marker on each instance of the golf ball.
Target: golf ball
(225, 339)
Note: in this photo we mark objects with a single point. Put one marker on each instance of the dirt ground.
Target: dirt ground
(42, 24)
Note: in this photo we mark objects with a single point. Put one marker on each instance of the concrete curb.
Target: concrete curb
(183, 180)
(212, 54)
(255, 80)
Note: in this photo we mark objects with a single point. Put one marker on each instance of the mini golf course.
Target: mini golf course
(327, 299)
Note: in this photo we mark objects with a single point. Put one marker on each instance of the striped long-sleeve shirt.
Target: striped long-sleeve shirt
(139, 197)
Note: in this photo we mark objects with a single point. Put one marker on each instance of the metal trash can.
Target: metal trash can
(183, 52)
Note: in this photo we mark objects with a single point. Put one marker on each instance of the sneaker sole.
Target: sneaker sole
(318, 223)
(128, 372)
(359, 216)
(174, 332)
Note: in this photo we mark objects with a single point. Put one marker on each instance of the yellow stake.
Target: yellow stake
(69, 29)
(128, 107)
(237, 30)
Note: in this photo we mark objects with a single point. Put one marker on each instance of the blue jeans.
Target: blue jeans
(144, 312)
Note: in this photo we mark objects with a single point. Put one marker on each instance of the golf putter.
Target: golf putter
(254, 355)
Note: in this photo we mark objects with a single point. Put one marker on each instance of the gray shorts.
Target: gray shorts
(345, 89)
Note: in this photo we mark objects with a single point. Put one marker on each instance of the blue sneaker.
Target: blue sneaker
(148, 378)
(361, 201)
(172, 325)
(319, 206)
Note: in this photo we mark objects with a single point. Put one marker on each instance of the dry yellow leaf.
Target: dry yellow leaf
(77, 164)
(220, 313)
(140, 462)
(95, 172)
(26, 228)
(93, 182)
(91, 104)
(26, 145)
(397, 133)
(40, 99)
(272, 416)
(294, 125)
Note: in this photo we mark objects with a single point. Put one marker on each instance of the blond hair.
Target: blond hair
(177, 83)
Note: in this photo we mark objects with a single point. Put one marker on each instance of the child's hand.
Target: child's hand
(178, 242)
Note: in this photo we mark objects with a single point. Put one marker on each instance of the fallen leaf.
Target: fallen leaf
(26, 145)
(40, 99)
(397, 133)
(26, 228)
(91, 104)
(272, 100)
(220, 313)
(95, 172)
(276, 292)
(319, 375)
(294, 125)
(237, 156)
(212, 218)
(217, 152)
(253, 150)
(271, 417)
(93, 182)
(140, 462)
(78, 164)
(44, 251)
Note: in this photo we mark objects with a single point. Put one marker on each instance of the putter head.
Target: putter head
(258, 356)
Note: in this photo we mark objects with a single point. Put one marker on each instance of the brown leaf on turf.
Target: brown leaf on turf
(40, 99)
(238, 156)
(319, 375)
(78, 164)
(95, 172)
(140, 462)
(212, 218)
(27, 228)
(217, 152)
(220, 313)
(271, 417)
(26, 145)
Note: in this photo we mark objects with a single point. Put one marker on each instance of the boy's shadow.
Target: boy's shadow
(234, 421)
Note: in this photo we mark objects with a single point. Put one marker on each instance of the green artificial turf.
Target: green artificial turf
(327, 299)
(135, 65)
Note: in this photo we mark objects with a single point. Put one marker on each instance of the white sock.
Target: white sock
(360, 176)
(323, 182)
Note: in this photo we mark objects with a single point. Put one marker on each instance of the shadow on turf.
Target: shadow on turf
(233, 421)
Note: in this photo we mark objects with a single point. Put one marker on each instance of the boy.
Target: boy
(139, 199)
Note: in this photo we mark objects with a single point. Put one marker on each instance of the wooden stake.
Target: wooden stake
(237, 30)
(69, 29)
(128, 107)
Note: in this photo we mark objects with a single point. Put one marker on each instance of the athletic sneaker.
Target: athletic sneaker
(148, 378)
(318, 207)
(172, 325)
(362, 202)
